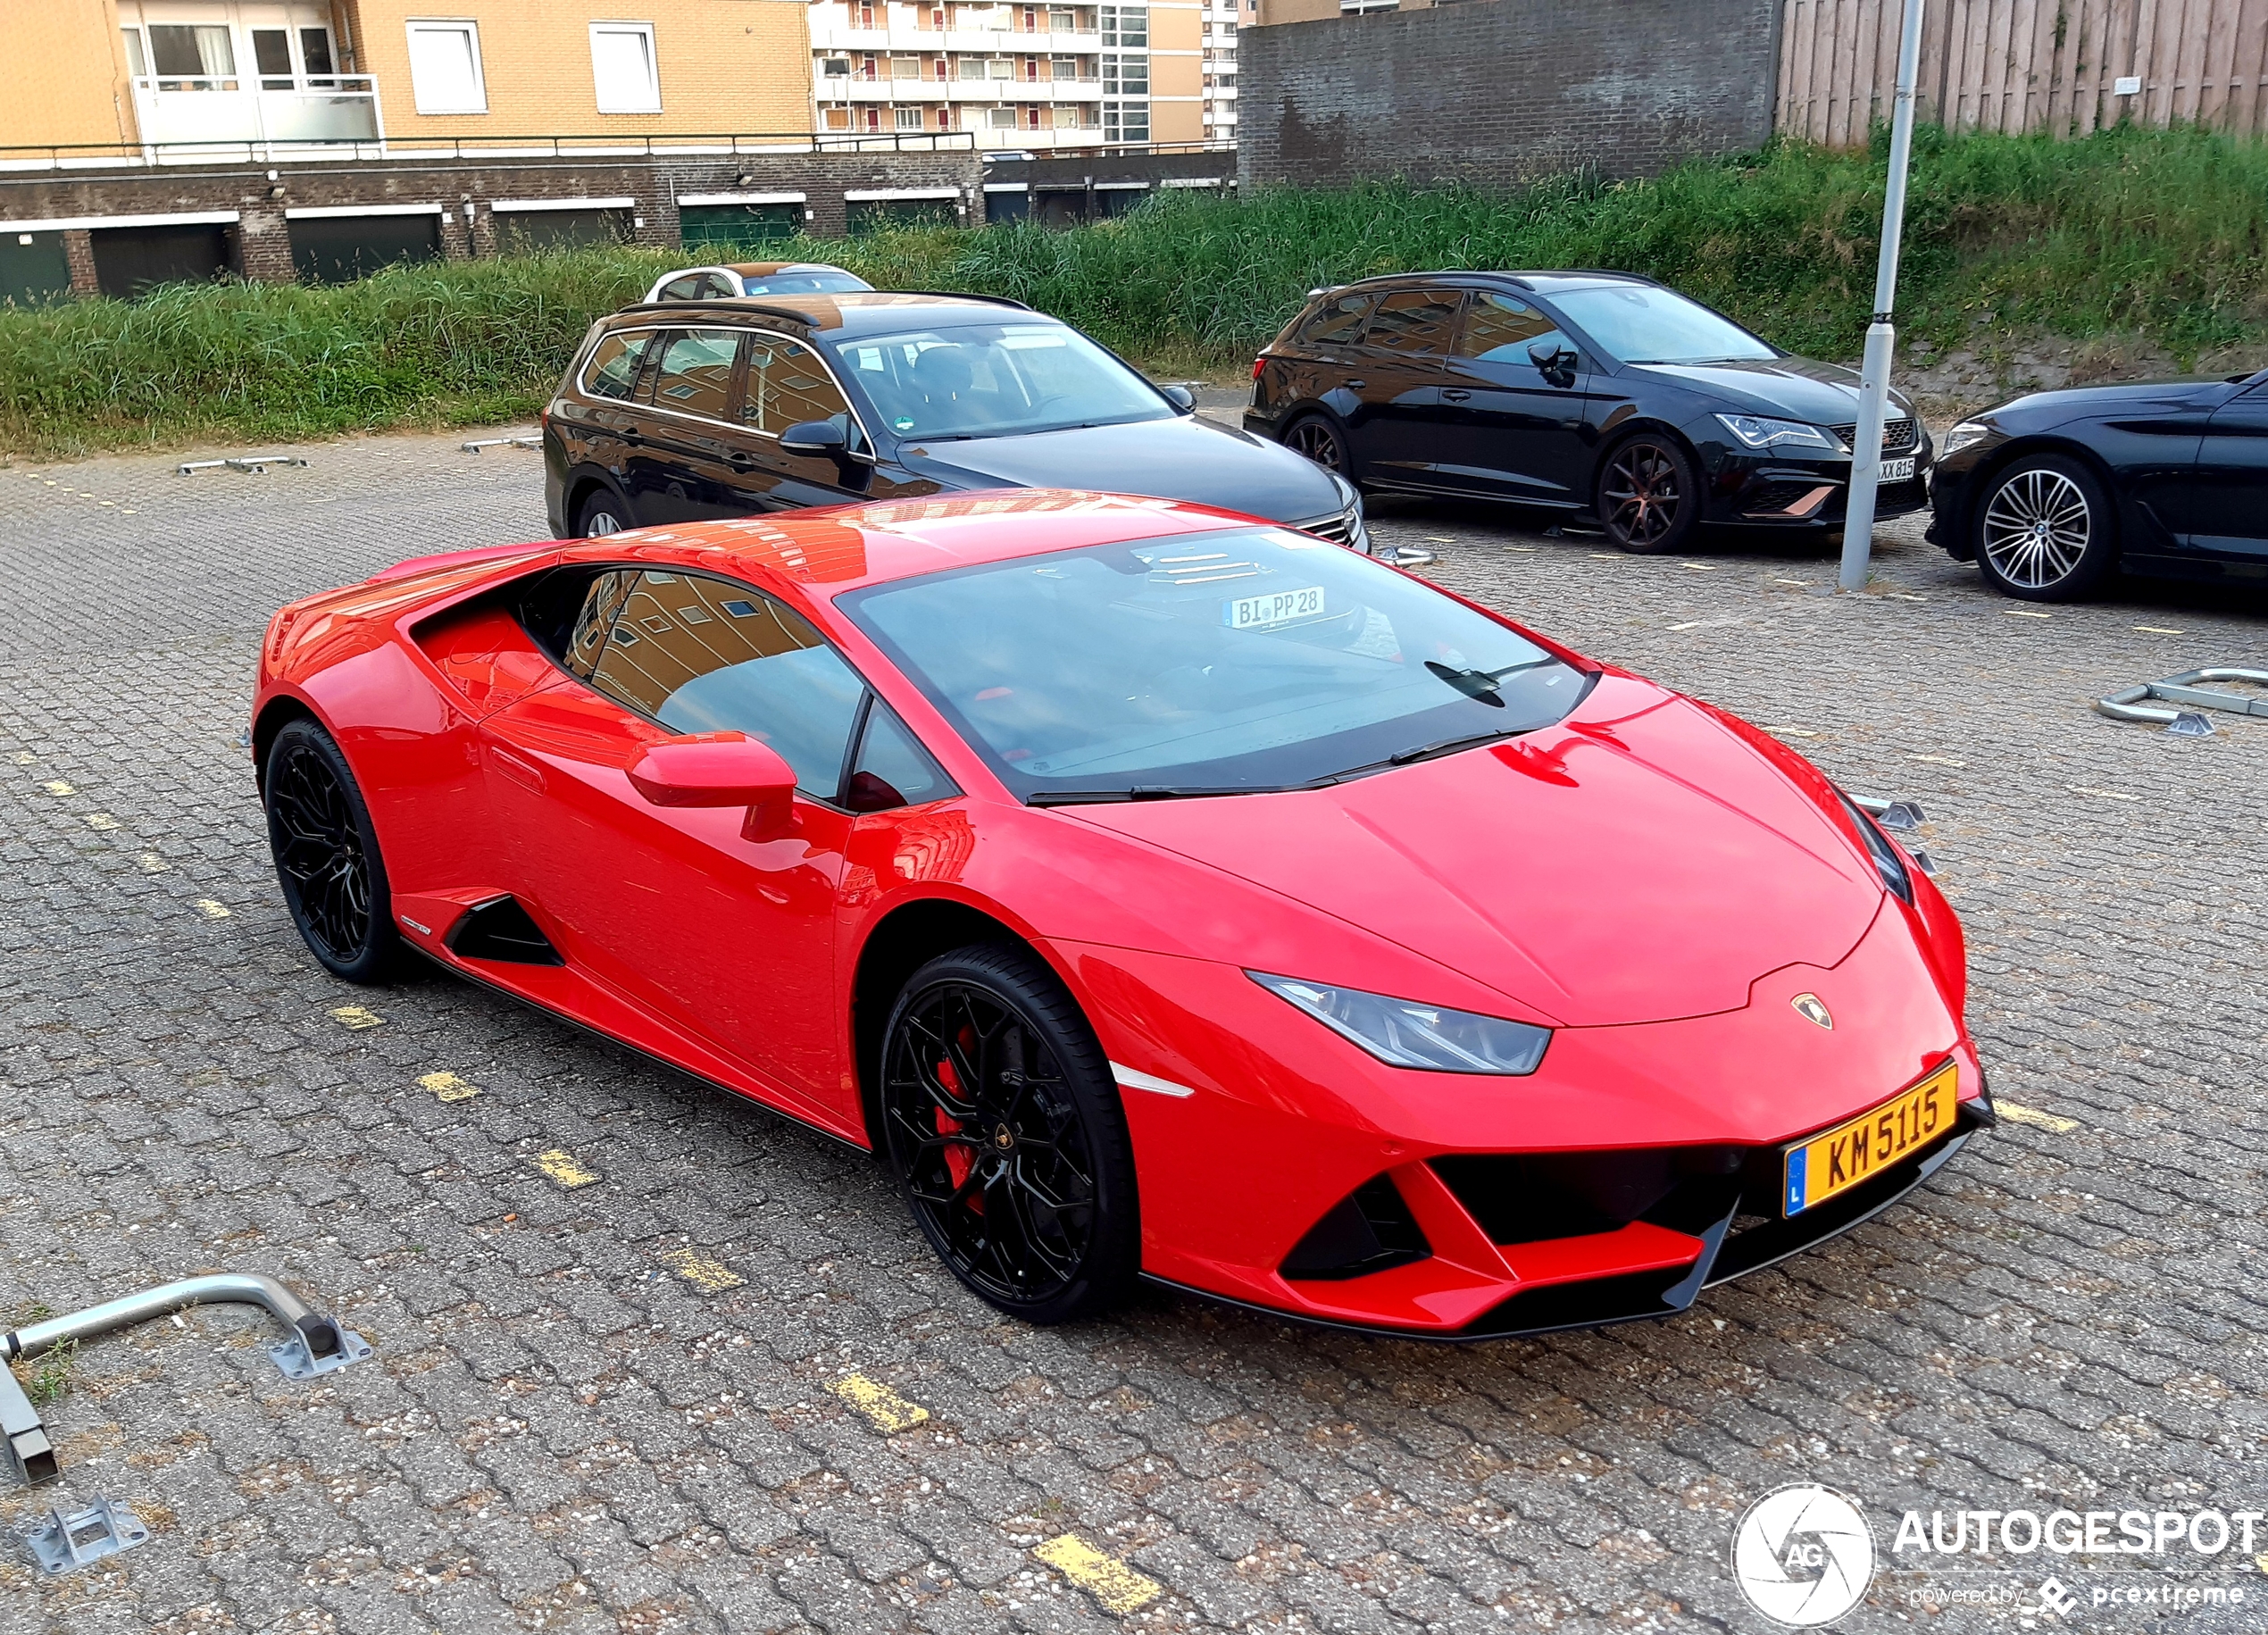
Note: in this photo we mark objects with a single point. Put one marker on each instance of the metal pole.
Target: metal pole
(1874, 368)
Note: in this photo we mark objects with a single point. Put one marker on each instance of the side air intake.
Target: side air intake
(500, 930)
(1367, 1230)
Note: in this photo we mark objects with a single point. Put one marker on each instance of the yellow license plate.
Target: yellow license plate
(1837, 1161)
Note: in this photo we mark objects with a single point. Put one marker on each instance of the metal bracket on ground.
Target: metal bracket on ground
(2126, 704)
(61, 1543)
(1902, 817)
(478, 444)
(249, 462)
(316, 1345)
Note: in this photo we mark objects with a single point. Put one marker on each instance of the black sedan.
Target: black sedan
(1596, 394)
(683, 411)
(2049, 493)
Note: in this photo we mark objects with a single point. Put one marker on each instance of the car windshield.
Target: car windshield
(827, 281)
(996, 379)
(1640, 325)
(1215, 663)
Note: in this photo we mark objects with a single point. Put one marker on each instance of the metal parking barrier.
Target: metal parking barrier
(2126, 704)
(478, 444)
(247, 463)
(316, 1345)
(64, 1542)
(1903, 817)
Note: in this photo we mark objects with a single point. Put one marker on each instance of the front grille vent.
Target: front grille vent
(1367, 1230)
(1900, 437)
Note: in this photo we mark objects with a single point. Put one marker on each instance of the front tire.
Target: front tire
(1648, 496)
(327, 857)
(1002, 1123)
(2045, 531)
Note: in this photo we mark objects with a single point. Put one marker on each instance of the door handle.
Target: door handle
(630, 435)
(1456, 394)
(517, 768)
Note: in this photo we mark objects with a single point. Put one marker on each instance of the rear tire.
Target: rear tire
(1648, 495)
(1317, 438)
(1001, 1125)
(2045, 530)
(602, 514)
(327, 857)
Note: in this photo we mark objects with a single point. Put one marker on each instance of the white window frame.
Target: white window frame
(653, 60)
(470, 28)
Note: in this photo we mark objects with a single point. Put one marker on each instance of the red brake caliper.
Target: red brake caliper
(957, 1161)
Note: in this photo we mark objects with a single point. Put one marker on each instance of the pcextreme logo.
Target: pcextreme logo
(1803, 1556)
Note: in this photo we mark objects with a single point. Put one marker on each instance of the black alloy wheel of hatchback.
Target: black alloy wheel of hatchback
(1013, 1158)
(1647, 496)
(1318, 440)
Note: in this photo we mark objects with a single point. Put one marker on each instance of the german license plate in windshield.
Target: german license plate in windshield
(1842, 1157)
(1272, 608)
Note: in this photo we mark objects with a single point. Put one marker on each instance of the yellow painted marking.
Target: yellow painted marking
(884, 1408)
(128, 511)
(100, 820)
(1791, 732)
(1938, 760)
(210, 909)
(559, 1166)
(2160, 630)
(24, 757)
(1687, 625)
(1699, 567)
(1608, 555)
(2026, 612)
(2033, 1116)
(152, 864)
(711, 1277)
(2260, 1561)
(58, 786)
(1110, 1581)
(1799, 583)
(448, 1087)
(1903, 596)
(2100, 794)
(1442, 538)
(356, 1016)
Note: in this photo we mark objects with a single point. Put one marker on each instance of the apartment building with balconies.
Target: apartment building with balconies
(1017, 77)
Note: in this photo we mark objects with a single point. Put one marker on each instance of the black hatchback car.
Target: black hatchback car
(1591, 393)
(682, 410)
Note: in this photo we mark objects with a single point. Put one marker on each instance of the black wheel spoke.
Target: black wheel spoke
(319, 852)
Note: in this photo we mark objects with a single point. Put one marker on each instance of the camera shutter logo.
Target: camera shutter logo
(1804, 1555)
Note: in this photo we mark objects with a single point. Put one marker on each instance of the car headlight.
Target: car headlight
(1888, 863)
(1404, 1033)
(1758, 432)
(1962, 436)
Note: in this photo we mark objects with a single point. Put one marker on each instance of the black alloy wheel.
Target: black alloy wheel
(327, 855)
(603, 514)
(1319, 440)
(1002, 1126)
(1648, 497)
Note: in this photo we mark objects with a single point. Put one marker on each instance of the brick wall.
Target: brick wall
(1504, 90)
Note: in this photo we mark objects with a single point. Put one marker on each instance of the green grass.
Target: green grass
(2160, 236)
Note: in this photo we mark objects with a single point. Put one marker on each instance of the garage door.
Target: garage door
(524, 231)
(725, 227)
(340, 249)
(33, 268)
(131, 260)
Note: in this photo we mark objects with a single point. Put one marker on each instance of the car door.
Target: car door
(1511, 430)
(2230, 509)
(727, 939)
(1396, 377)
(787, 384)
(604, 412)
(683, 471)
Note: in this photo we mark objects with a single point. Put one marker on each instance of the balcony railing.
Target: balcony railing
(112, 156)
(854, 88)
(258, 111)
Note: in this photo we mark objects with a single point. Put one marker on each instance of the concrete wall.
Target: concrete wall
(1504, 90)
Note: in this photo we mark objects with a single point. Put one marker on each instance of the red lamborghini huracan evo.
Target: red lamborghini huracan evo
(1156, 891)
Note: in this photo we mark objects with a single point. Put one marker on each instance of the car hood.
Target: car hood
(2127, 397)
(1640, 862)
(1184, 458)
(1789, 387)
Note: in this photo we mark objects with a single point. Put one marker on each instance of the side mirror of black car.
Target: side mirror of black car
(1179, 397)
(814, 436)
(1557, 363)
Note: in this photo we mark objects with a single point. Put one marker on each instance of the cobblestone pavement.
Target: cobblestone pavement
(620, 1404)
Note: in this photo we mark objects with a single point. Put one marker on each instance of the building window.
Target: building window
(1000, 119)
(1126, 121)
(193, 56)
(972, 68)
(1067, 117)
(445, 66)
(834, 68)
(622, 68)
(138, 62)
(839, 119)
(1125, 76)
(1128, 25)
(906, 119)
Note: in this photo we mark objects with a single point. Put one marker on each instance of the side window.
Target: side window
(1500, 330)
(586, 636)
(702, 654)
(1337, 322)
(717, 285)
(696, 372)
(686, 289)
(612, 369)
(892, 768)
(1413, 322)
(787, 386)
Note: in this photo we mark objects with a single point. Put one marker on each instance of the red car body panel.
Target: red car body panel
(1651, 878)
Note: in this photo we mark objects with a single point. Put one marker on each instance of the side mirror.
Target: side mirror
(815, 436)
(720, 769)
(1180, 397)
(1556, 363)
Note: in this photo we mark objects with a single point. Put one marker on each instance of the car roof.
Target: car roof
(831, 549)
(765, 269)
(849, 313)
(1541, 282)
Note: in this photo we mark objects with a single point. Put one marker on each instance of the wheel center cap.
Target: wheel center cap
(2039, 530)
(1004, 1139)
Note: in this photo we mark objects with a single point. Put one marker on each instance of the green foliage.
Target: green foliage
(2163, 235)
(51, 1375)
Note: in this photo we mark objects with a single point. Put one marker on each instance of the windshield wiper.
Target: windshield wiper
(1154, 791)
(1480, 685)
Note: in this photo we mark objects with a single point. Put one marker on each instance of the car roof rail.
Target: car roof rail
(953, 295)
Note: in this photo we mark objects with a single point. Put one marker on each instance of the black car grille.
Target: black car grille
(1526, 1198)
(1900, 437)
(1340, 528)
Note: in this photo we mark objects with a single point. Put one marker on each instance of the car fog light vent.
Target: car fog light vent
(1369, 1229)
